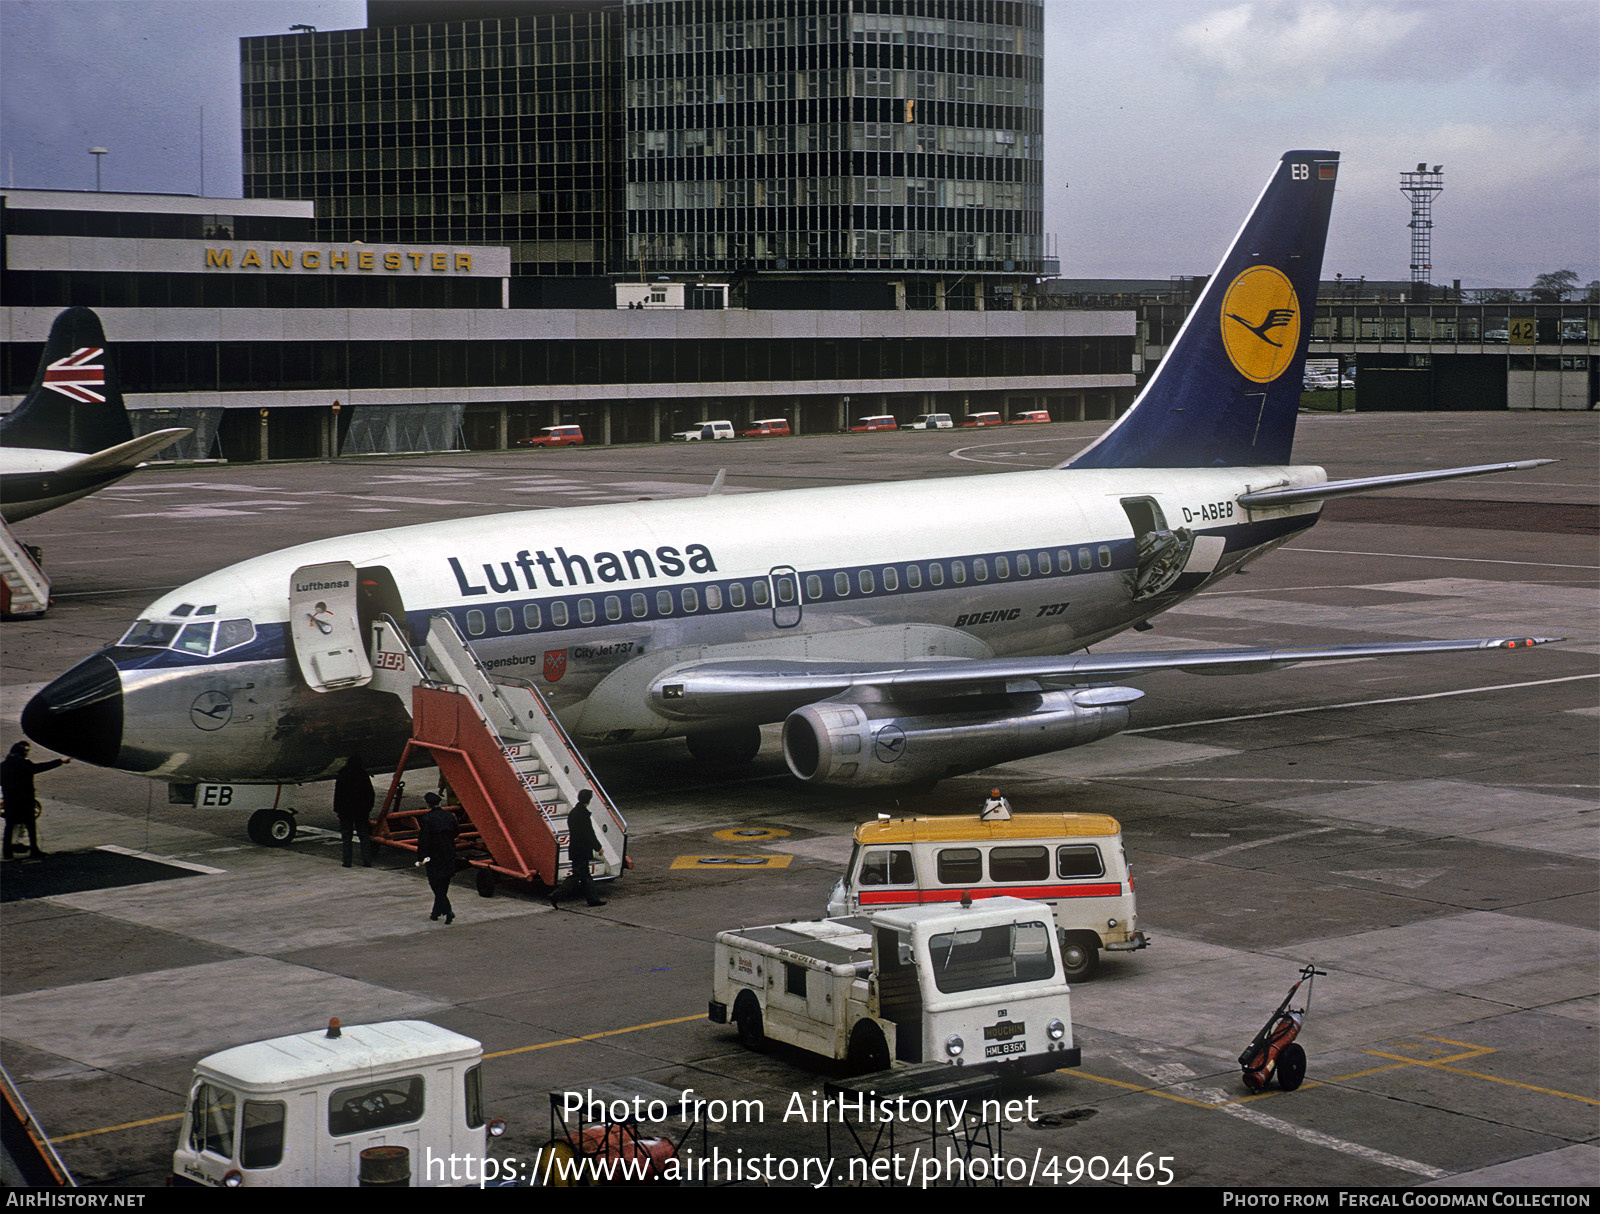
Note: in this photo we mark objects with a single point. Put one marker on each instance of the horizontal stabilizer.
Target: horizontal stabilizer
(129, 455)
(1366, 484)
(771, 687)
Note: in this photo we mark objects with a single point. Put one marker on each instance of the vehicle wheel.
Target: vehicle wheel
(730, 746)
(272, 827)
(747, 1019)
(1080, 956)
(486, 883)
(1291, 1066)
(869, 1051)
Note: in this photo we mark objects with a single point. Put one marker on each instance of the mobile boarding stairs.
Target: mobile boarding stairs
(513, 769)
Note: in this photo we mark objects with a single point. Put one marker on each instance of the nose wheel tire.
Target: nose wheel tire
(272, 828)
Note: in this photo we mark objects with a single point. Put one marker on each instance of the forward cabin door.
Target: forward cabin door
(325, 624)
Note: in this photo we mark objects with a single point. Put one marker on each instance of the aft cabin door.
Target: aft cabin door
(325, 622)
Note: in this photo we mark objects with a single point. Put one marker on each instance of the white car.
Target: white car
(932, 421)
(706, 430)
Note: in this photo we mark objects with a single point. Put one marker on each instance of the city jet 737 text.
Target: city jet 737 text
(950, 642)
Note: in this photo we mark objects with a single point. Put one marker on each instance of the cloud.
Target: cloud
(1273, 50)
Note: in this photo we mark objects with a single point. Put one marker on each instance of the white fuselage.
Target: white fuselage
(593, 603)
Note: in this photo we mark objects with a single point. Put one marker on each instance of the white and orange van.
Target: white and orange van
(1073, 862)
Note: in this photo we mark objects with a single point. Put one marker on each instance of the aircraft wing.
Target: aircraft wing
(770, 688)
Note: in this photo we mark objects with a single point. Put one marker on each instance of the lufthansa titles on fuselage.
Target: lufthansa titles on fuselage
(565, 569)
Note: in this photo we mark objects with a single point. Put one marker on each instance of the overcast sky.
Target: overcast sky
(1163, 119)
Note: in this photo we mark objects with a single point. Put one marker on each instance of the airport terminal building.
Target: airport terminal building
(229, 316)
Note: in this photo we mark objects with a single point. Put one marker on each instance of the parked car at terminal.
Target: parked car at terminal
(554, 436)
(881, 421)
(1031, 417)
(768, 427)
(981, 419)
(706, 431)
(932, 421)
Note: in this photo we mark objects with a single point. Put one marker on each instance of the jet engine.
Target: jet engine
(862, 743)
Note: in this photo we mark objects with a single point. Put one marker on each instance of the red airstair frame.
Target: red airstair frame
(501, 811)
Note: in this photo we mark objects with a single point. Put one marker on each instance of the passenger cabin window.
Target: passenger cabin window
(1002, 567)
(813, 587)
(664, 602)
(935, 574)
(532, 617)
(887, 866)
(865, 580)
(1079, 860)
(504, 620)
(759, 594)
(891, 579)
(1083, 558)
(1019, 863)
(639, 605)
(959, 865)
(958, 572)
(736, 593)
(713, 598)
(475, 624)
(841, 584)
(585, 611)
(1105, 557)
(558, 614)
(613, 607)
(375, 1106)
(691, 599)
(913, 576)
(980, 570)
(1044, 562)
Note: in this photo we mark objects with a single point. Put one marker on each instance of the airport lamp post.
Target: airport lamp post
(97, 153)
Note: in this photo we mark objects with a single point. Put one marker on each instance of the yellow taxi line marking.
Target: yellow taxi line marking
(111, 1129)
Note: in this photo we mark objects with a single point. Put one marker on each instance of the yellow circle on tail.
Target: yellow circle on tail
(1261, 323)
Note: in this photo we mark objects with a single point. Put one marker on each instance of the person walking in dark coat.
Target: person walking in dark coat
(352, 802)
(436, 844)
(581, 846)
(22, 804)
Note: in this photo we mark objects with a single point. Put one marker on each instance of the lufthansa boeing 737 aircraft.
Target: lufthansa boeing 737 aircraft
(950, 641)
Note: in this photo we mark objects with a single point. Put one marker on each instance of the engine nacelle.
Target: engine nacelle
(864, 744)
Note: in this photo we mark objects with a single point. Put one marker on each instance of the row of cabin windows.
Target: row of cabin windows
(965, 865)
(689, 599)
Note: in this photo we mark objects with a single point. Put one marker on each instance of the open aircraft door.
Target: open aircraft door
(325, 622)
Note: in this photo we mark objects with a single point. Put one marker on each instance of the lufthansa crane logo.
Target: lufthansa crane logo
(1261, 323)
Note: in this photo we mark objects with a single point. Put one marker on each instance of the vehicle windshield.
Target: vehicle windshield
(1003, 955)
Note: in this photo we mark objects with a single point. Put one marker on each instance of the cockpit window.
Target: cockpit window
(190, 638)
(150, 633)
(233, 633)
(196, 638)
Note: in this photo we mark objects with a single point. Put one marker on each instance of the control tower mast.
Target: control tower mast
(1421, 186)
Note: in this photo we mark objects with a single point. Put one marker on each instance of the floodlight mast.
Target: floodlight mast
(1421, 186)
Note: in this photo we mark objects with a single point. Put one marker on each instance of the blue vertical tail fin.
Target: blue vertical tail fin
(1228, 390)
(75, 403)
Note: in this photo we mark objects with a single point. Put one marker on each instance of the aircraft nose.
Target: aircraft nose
(80, 714)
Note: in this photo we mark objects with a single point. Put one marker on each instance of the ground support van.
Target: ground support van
(974, 985)
(1072, 862)
(300, 1110)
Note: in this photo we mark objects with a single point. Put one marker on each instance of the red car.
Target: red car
(768, 427)
(1032, 417)
(554, 436)
(880, 421)
(982, 419)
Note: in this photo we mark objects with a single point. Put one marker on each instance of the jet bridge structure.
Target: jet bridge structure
(514, 770)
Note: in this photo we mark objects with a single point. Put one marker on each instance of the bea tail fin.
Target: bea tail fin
(1228, 390)
(76, 400)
